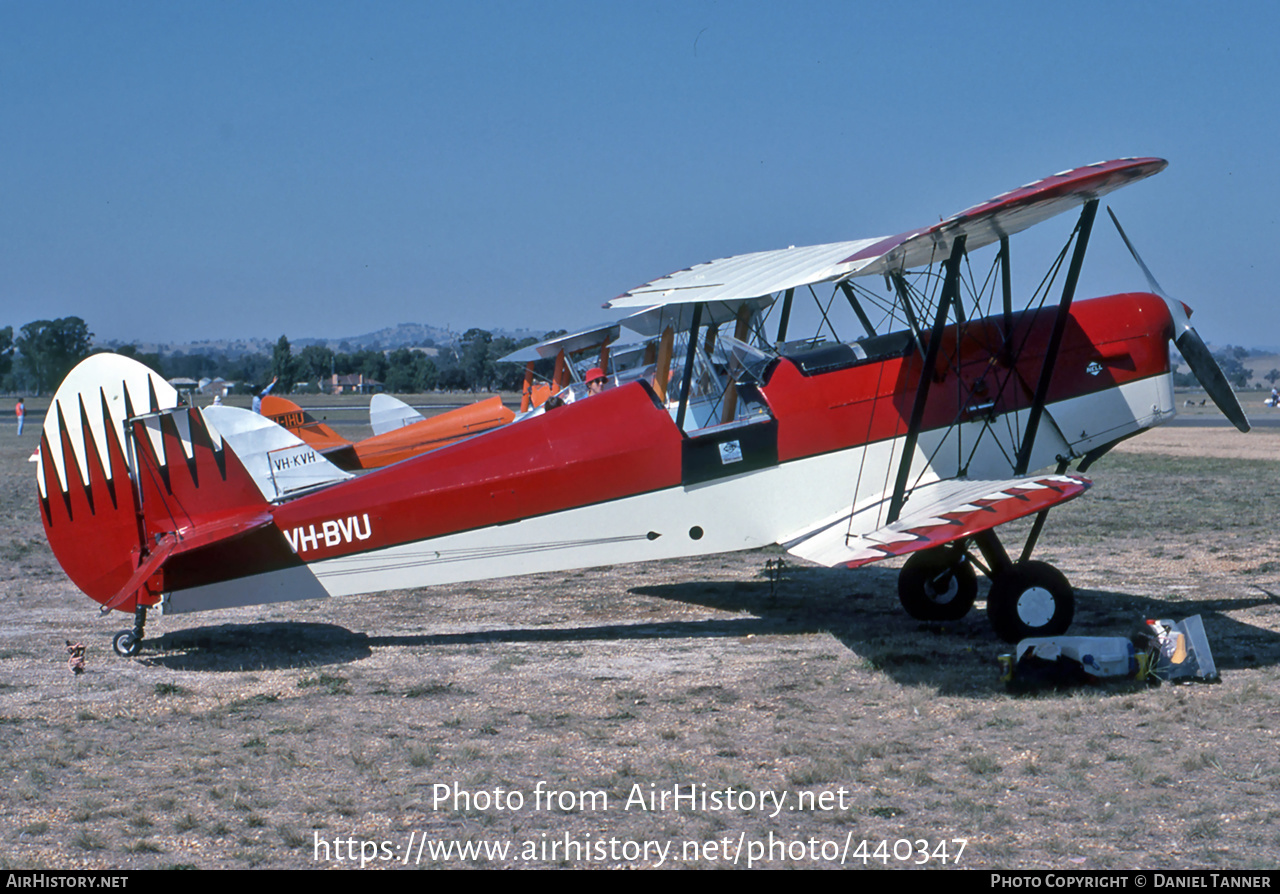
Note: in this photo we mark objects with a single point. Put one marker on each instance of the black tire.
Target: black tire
(125, 644)
(937, 584)
(1030, 599)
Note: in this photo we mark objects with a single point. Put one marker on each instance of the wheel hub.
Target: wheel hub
(1035, 606)
(942, 590)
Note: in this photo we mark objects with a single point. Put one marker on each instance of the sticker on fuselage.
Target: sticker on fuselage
(730, 452)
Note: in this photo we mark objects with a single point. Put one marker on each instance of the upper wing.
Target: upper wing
(570, 343)
(939, 513)
(747, 276)
(766, 272)
(650, 323)
(1004, 215)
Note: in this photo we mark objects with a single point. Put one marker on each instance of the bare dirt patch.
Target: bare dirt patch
(1218, 442)
(247, 737)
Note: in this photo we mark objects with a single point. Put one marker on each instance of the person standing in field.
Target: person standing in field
(21, 412)
(257, 398)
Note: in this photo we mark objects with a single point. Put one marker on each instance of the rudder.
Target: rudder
(126, 475)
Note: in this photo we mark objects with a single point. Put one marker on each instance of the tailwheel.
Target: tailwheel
(937, 584)
(126, 644)
(1030, 599)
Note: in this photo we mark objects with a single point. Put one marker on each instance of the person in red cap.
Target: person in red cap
(595, 380)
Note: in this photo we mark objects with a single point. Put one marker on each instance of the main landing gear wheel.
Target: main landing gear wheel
(937, 584)
(126, 644)
(1030, 599)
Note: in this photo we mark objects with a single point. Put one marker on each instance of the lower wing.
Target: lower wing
(936, 513)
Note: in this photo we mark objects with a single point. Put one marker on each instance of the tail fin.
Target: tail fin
(288, 415)
(126, 477)
(387, 413)
(281, 464)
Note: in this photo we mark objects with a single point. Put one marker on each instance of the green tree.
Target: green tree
(252, 371)
(315, 362)
(476, 359)
(372, 363)
(152, 360)
(1230, 360)
(400, 378)
(425, 375)
(509, 376)
(196, 366)
(7, 359)
(6, 351)
(283, 366)
(452, 378)
(50, 348)
(409, 372)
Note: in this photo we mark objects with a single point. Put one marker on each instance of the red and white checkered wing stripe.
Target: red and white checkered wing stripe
(938, 513)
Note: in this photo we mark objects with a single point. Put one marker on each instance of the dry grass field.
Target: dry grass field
(324, 732)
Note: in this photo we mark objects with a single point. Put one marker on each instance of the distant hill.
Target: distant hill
(1259, 366)
(404, 335)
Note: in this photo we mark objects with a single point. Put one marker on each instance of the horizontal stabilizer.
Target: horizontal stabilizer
(175, 543)
(937, 513)
(280, 463)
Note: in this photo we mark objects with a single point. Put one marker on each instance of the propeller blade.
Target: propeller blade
(1192, 346)
(1151, 280)
(1211, 377)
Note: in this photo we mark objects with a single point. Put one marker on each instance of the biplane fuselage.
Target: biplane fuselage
(611, 479)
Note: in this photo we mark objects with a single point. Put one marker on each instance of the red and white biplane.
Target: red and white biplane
(950, 414)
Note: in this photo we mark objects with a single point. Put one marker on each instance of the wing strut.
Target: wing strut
(686, 383)
(904, 295)
(742, 327)
(1041, 517)
(1055, 339)
(1006, 285)
(949, 289)
(786, 315)
(857, 308)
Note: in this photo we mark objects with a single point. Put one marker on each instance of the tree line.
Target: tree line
(470, 364)
(38, 357)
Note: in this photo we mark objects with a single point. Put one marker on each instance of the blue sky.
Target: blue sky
(176, 171)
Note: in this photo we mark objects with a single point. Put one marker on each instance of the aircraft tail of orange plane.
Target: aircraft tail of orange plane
(314, 432)
(390, 446)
